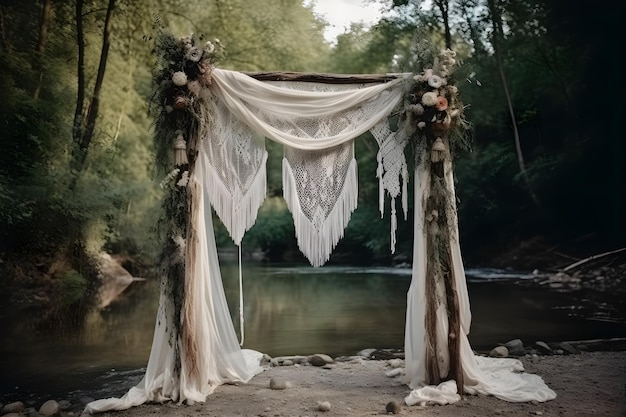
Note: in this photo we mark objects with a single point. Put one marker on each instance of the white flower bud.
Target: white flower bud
(179, 78)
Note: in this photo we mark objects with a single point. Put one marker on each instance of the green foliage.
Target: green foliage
(273, 231)
(74, 287)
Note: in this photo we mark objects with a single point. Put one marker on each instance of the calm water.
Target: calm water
(289, 310)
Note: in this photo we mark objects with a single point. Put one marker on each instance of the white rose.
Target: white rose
(429, 99)
(435, 81)
(179, 78)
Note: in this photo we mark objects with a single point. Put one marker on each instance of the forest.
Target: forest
(542, 182)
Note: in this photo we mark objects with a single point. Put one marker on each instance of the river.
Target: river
(288, 310)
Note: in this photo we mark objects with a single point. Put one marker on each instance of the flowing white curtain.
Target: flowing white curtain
(219, 357)
(500, 377)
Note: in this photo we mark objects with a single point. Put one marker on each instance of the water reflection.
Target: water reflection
(288, 310)
(305, 310)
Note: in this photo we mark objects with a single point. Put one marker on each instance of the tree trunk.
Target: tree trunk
(444, 9)
(473, 31)
(42, 40)
(84, 137)
(79, 115)
(496, 20)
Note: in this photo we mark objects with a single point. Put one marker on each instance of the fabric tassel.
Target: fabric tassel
(381, 187)
(394, 225)
(180, 151)
(438, 151)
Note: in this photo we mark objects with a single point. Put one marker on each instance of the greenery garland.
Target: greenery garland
(181, 71)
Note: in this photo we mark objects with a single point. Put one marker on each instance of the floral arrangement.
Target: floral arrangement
(433, 110)
(183, 71)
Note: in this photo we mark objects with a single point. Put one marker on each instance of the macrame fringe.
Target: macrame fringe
(381, 188)
(317, 244)
(237, 212)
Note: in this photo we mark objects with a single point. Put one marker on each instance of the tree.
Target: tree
(86, 113)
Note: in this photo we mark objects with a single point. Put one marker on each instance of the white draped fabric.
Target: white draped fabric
(219, 357)
(317, 125)
(500, 377)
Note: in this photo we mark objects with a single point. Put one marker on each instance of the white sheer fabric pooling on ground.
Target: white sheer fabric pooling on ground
(220, 358)
(501, 377)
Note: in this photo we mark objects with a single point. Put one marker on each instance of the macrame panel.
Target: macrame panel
(321, 190)
(392, 172)
(234, 173)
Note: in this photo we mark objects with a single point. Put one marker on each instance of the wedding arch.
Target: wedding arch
(210, 127)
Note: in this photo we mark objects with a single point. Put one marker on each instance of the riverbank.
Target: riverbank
(587, 384)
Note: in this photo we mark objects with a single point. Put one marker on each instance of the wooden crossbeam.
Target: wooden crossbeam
(323, 78)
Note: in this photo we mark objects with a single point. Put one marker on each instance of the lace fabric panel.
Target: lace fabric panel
(320, 188)
(392, 172)
(234, 173)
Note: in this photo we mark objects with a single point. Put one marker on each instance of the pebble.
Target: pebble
(65, 405)
(14, 407)
(49, 408)
(394, 372)
(320, 359)
(499, 352)
(279, 383)
(395, 363)
(393, 407)
(323, 406)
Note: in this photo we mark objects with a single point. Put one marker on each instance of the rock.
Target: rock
(568, 348)
(515, 347)
(328, 366)
(30, 412)
(287, 362)
(266, 360)
(65, 405)
(394, 372)
(499, 352)
(49, 408)
(366, 353)
(13, 415)
(277, 383)
(323, 405)
(385, 354)
(319, 359)
(395, 363)
(393, 407)
(543, 347)
(14, 407)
